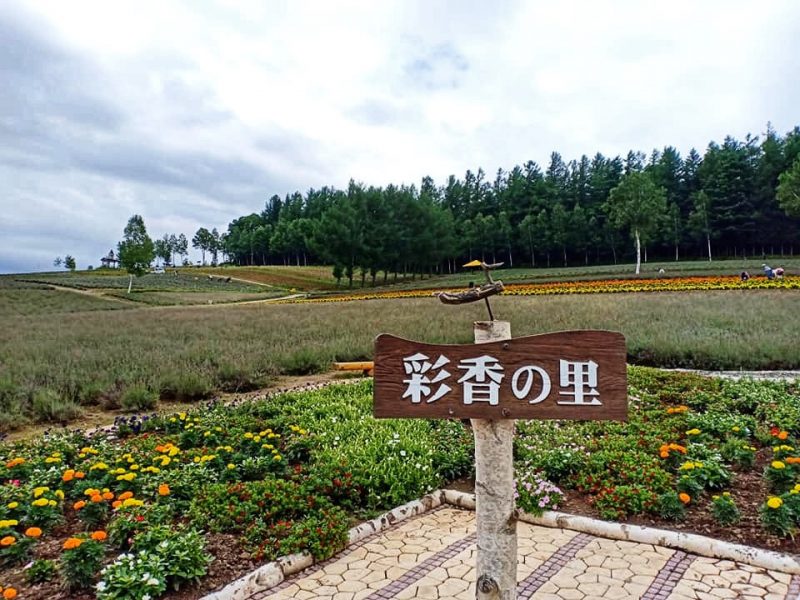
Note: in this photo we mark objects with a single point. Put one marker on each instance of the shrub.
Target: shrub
(322, 535)
(80, 561)
(535, 494)
(776, 517)
(304, 361)
(185, 386)
(132, 577)
(724, 509)
(624, 500)
(48, 406)
(90, 393)
(182, 553)
(40, 570)
(138, 398)
(779, 476)
(671, 507)
(13, 405)
(234, 378)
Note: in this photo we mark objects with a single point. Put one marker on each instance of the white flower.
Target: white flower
(402, 452)
(152, 581)
(146, 577)
(146, 597)
(100, 586)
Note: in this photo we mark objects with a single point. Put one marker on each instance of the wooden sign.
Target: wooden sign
(568, 375)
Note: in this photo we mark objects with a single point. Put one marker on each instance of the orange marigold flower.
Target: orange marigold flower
(9, 540)
(125, 495)
(72, 543)
(684, 497)
(9, 593)
(783, 435)
(33, 532)
(68, 475)
(664, 454)
(99, 536)
(116, 504)
(163, 490)
(79, 505)
(79, 474)
(108, 496)
(96, 498)
(792, 460)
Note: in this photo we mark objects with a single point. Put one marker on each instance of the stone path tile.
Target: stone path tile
(433, 557)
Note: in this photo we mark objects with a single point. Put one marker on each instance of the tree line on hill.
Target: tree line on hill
(591, 210)
(740, 198)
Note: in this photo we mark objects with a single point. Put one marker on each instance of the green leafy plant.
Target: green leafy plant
(535, 494)
(724, 509)
(41, 570)
(624, 500)
(81, 561)
(671, 507)
(776, 517)
(132, 577)
(182, 553)
(138, 398)
(779, 476)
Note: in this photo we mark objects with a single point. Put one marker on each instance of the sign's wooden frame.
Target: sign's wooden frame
(605, 348)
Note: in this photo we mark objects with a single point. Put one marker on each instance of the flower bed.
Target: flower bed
(672, 284)
(137, 516)
(192, 500)
(714, 457)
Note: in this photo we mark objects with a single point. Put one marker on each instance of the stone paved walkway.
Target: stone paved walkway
(432, 556)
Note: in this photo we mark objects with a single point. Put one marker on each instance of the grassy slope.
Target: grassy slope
(68, 353)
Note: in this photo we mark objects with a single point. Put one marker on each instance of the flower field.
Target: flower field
(97, 517)
(168, 501)
(673, 284)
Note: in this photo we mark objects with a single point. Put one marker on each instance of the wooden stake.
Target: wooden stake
(494, 493)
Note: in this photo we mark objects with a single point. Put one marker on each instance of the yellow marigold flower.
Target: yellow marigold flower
(736, 429)
(101, 466)
(174, 450)
(248, 435)
(778, 464)
(277, 457)
(182, 416)
(12, 505)
(39, 491)
(132, 502)
(774, 502)
(52, 459)
(126, 477)
(40, 502)
(8, 523)
(52, 502)
(59, 494)
(206, 434)
(694, 431)
(134, 467)
(231, 466)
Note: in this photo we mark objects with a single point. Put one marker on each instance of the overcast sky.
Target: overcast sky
(194, 113)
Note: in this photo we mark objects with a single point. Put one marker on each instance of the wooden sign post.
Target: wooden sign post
(568, 375)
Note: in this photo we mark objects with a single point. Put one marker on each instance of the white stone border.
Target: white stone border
(688, 542)
(271, 574)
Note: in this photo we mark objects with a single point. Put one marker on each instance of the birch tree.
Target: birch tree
(638, 204)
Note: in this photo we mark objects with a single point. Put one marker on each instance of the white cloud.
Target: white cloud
(193, 113)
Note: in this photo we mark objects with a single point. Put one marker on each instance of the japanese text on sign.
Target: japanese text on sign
(574, 374)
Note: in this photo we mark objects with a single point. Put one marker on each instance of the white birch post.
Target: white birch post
(494, 493)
